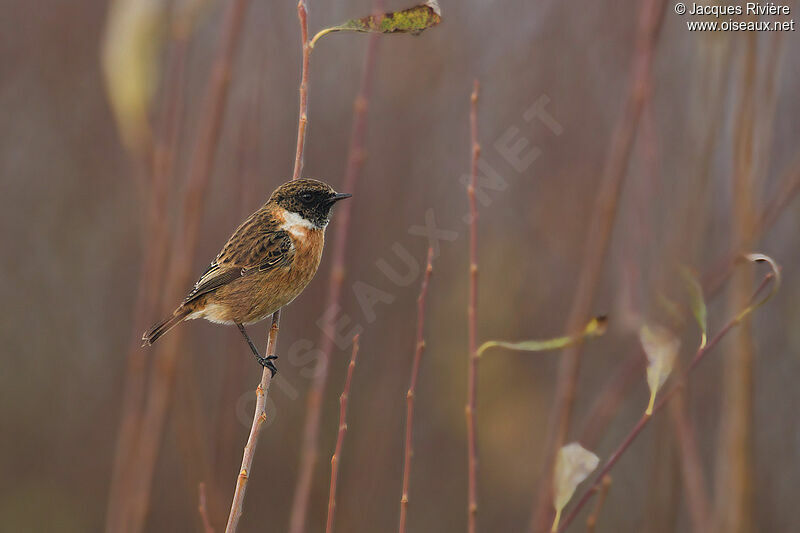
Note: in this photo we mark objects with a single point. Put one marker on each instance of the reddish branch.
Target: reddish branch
(591, 522)
(611, 396)
(302, 120)
(472, 369)
(599, 233)
(266, 376)
(734, 475)
(156, 236)
(259, 418)
(248, 172)
(787, 191)
(607, 402)
(355, 161)
(202, 508)
(337, 454)
(640, 425)
(694, 483)
(410, 395)
(133, 511)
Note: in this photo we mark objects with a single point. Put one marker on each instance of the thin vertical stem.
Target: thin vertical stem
(694, 483)
(259, 417)
(355, 160)
(202, 508)
(248, 172)
(591, 522)
(156, 237)
(151, 427)
(302, 120)
(419, 348)
(472, 369)
(337, 454)
(266, 375)
(596, 246)
(734, 475)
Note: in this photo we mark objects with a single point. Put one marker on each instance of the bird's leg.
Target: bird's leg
(263, 361)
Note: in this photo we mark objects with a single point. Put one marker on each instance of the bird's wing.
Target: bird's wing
(257, 246)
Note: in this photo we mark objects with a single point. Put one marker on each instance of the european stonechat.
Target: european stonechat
(265, 264)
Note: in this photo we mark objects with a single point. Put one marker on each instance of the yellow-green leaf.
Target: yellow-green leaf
(573, 465)
(131, 47)
(661, 348)
(595, 328)
(413, 20)
(697, 303)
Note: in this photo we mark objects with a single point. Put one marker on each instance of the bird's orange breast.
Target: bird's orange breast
(282, 285)
(308, 244)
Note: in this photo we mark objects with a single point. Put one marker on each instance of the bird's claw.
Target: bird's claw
(266, 362)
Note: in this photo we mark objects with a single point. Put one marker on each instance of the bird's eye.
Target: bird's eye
(306, 197)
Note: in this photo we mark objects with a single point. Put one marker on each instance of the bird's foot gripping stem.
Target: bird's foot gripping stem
(266, 362)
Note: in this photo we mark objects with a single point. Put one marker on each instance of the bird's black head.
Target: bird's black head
(311, 199)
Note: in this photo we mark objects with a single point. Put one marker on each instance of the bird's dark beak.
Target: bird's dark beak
(338, 196)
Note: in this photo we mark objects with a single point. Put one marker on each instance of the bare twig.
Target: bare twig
(266, 375)
(788, 190)
(337, 454)
(355, 159)
(472, 369)
(419, 347)
(674, 389)
(599, 233)
(202, 508)
(612, 394)
(607, 401)
(259, 417)
(694, 483)
(591, 522)
(150, 429)
(236, 368)
(302, 120)
(156, 237)
(303, 488)
(606, 405)
(734, 473)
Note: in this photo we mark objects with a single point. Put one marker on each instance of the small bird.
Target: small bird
(265, 264)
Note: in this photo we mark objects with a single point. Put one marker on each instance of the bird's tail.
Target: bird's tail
(154, 333)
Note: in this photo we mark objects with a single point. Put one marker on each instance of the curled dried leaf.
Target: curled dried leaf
(661, 348)
(595, 328)
(413, 20)
(573, 465)
(776, 275)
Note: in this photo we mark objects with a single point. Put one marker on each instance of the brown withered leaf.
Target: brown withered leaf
(413, 20)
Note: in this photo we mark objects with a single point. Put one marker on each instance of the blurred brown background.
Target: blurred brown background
(73, 212)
